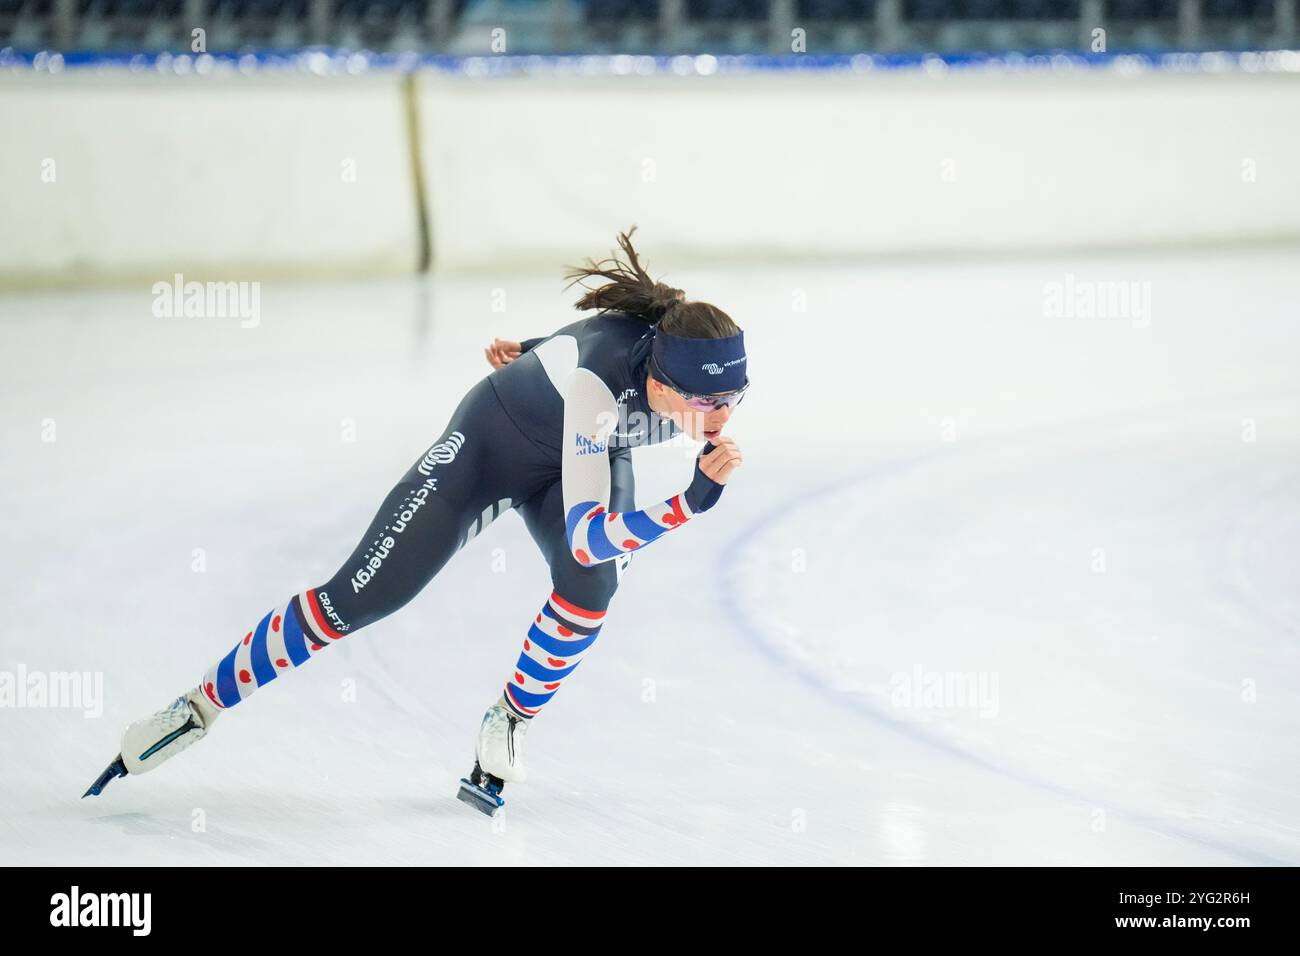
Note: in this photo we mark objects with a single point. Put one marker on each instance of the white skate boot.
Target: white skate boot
(500, 749)
(150, 741)
(498, 759)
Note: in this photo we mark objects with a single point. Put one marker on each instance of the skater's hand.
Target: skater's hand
(724, 458)
(502, 352)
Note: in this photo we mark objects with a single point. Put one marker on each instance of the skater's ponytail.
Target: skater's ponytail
(630, 290)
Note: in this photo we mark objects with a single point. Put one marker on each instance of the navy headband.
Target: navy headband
(702, 366)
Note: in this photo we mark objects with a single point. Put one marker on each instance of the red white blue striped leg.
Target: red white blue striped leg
(288, 636)
(558, 640)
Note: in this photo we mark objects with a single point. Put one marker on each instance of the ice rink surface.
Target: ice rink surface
(999, 582)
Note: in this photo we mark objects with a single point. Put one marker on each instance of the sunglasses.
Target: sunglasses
(696, 401)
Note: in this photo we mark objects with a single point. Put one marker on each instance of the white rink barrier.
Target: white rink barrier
(113, 176)
(832, 165)
(109, 174)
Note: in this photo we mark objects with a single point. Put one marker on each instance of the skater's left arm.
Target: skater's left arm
(504, 351)
(595, 533)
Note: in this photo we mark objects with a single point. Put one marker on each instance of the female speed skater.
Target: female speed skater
(547, 433)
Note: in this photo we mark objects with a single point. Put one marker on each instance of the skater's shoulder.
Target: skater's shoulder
(604, 344)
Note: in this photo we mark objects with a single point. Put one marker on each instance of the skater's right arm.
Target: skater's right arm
(595, 533)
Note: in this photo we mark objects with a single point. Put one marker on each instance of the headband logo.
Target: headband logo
(713, 368)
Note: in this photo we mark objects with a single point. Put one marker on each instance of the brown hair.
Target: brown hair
(631, 290)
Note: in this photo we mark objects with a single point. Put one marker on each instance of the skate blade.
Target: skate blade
(484, 801)
(116, 769)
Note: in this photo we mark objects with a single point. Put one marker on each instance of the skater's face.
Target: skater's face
(702, 425)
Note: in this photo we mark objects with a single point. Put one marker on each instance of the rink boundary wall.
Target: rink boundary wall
(331, 162)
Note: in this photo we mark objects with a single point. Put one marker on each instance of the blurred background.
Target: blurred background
(648, 26)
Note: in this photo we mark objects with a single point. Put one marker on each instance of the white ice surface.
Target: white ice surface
(936, 473)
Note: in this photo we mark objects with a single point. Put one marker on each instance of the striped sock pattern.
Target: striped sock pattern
(557, 641)
(287, 637)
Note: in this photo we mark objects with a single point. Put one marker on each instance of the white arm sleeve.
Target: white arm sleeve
(595, 533)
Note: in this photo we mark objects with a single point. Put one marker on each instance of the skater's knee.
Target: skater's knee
(592, 590)
(327, 611)
(359, 595)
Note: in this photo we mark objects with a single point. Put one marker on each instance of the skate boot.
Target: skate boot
(148, 742)
(498, 758)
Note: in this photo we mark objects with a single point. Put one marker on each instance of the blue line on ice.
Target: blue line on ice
(752, 633)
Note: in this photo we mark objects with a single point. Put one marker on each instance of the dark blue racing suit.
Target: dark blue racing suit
(549, 435)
